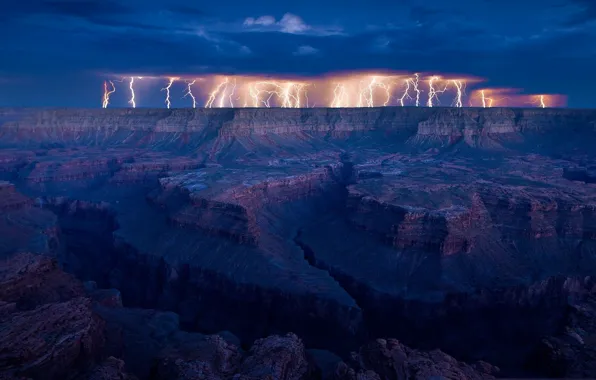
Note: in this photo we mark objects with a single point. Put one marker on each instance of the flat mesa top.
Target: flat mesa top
(215, 109)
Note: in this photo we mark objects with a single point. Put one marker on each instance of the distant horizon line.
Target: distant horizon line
(295, 108)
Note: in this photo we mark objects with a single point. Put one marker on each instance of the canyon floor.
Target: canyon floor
(370, 243)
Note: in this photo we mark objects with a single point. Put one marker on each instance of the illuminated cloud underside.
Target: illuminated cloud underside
(350, 90)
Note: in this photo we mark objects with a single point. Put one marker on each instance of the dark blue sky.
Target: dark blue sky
(54, 52)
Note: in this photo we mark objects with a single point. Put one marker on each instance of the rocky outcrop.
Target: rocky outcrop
(228, 202)
(211, 357)
(110, 369)
(51, 341)
(277, 357)
(284, 358)
(11, 199)
(274, 357)
(87, 337)
(47, 328)
(23, 226)
(30, 280)
(390, 360)
(572, 352)
(453, 218)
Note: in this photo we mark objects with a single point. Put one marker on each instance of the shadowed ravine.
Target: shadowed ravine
(467, 230)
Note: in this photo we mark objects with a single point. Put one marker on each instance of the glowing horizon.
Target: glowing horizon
(362, 89)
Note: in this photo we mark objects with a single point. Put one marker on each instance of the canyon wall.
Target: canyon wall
(187, 126)
(434, 225)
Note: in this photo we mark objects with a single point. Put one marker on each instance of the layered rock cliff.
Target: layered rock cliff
(435, 226)
(191, 128)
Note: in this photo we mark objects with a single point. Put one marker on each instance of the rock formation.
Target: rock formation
(434, 226)
(571, 352)
(67, 330)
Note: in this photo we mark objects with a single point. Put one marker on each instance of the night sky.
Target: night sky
(58, 53)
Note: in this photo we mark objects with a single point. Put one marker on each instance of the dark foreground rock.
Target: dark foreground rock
(389, 359)
(110, 369)
(572, 352)
(48, 329)
(29, 280)
(284, 358)
(63, 335)
(52, 341)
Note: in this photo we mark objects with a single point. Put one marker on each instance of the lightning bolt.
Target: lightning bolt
(293, 93)
(266, 101)
(340, 96)
(232, 94)
(289, 94)
(432, 91)
(387, 88)
(286, 95)
(406, 94)
(188, 92)
(492, 101)
(306, 98)
(366, 93)
(167, 90)
(415, 82)
(256, 91)
(132, 91)
(538, 100)
(369, 91)
(222, 98)
(107, 93)
(460, 86)
(215, 92)
(357, 90)
(486, 102)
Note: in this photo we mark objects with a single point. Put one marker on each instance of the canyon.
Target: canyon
(361, 235)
